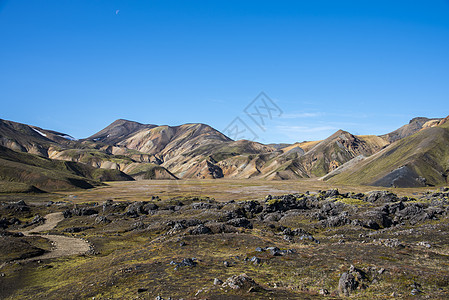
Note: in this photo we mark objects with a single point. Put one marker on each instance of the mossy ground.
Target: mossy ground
(128, 258)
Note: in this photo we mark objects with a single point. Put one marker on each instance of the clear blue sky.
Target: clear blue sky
(363, 66)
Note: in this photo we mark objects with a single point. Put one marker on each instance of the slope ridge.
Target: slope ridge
(418, 160)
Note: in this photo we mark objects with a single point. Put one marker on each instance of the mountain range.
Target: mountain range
(34, 159)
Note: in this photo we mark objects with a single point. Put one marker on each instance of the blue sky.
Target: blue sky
(367, 67)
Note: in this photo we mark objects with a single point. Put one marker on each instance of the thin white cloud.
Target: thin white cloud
(304, 129)
(302, 115)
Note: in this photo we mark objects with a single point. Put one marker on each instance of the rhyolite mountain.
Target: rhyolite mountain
(415, 125)
(420, 159)
(408, 156)
(21, 171)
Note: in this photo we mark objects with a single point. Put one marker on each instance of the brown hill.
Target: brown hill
(118, 130)
(32, 139)
(415, 125)
(49, 175)
(146, 151)
(418, 160)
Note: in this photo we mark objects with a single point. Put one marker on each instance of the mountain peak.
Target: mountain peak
(124, 121)
(118, 130)
(419, 120)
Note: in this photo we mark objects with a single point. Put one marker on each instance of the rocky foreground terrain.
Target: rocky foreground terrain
(321, 244)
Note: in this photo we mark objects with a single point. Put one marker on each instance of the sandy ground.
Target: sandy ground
(63, 245)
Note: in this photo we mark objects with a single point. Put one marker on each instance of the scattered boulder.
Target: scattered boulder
(275, 251)
(323, 292)
(336, 221)
(241, 281)
(352, 280)
(381, 197)
(102, 220)
(186, 262)
(240, 222)
(272, 217)
(346, 284)
(252, 208)
(17, 207)
(83, 211)
(76, 229)
(255, 260)
(284, 203)
(36, 220)
(331, 193)
(135, 209)
(201, 205)
(200, 229)
(390, 243)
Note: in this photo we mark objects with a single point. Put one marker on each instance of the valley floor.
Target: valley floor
(219, 189)
(228, 239)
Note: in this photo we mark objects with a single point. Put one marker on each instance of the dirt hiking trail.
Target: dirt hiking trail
(63, 245)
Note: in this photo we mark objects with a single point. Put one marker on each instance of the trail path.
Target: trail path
(63, 245)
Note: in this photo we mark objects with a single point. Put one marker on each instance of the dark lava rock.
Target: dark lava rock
(36, 220)
(13, 234)
(138, 226)
(200, 229)
(67, 213)
(332, 208)
(236, 213)
(83, 211)
(284, 203)
(331, 193)
(275, 251)
(21, 203)
(255, 260)
(241, 281)
(379, 216)
(4, 223)
(240, 222)
(351, 280)
(140, 208)
(252, 208)
(178, 226)
(135, 208)
(186, 262)
(102, 219)
(150, 207)
(381, 196)
(272, 217)
(346, 284)
(393, 208)
(109, 206)
(17, 207)
(202, 205)
(335, 221)
(76, 229)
